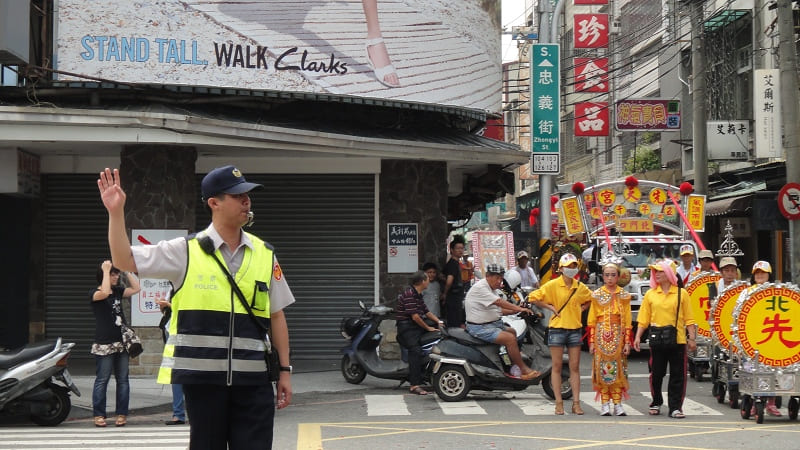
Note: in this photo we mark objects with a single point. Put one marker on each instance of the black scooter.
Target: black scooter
(362, 352)
(462, 363)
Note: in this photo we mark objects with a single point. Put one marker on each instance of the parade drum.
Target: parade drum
(721, 316)
(702, 288)
(766, 324)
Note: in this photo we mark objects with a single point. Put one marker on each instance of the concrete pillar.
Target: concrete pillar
(159, 181)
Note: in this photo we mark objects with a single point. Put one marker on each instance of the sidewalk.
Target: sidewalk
(148, 397)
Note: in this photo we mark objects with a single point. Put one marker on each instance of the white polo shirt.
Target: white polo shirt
(168, 260)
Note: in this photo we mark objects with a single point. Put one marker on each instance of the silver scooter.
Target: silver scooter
(34, 381)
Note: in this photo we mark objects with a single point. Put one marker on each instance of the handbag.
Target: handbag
(271, 356)
(668, 335)
(131, 341)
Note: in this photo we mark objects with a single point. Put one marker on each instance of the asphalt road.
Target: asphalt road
(331, 414)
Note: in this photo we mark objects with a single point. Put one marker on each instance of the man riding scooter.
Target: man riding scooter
(484, 310)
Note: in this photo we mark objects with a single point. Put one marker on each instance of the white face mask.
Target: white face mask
(570, 273)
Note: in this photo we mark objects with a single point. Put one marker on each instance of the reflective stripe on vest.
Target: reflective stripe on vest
(212, 340)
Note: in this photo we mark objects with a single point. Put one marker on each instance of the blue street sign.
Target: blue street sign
(545, 109)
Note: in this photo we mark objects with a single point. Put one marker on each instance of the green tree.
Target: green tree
(642, 160)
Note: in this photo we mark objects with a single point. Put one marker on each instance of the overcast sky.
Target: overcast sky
(513, 14)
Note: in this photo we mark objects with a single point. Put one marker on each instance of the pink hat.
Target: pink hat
(665, 266)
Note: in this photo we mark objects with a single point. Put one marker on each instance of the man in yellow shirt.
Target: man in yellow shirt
(566, 297)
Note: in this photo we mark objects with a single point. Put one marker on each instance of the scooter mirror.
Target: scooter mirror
(362, 305)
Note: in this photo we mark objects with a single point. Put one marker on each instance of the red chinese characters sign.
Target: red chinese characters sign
(591, 74)
(590, 30)
(591, 119)
(767, 323)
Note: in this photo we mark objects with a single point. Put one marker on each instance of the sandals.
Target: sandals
(559, 407)
(655, 410)
(576, 408)
(418, 390)
(121, 421)
(175, 421)
(380, 72)
(530, 375)
(100, 421)
(677, 414)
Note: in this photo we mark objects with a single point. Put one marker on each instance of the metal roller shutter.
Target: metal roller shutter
(76, 230)
(322, 228)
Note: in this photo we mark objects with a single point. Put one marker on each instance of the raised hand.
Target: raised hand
(111, 192)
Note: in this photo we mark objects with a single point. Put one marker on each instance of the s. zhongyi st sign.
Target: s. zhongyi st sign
(440, 56)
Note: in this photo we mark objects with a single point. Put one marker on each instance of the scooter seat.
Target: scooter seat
(462, 336)
(30, 352)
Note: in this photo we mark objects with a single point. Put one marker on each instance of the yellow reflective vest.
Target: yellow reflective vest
(212, 339)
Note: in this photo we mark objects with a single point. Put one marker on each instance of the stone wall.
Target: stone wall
(159, 181)
(410, 192)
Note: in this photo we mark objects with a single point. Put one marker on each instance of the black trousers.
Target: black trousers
(230, 417)
(408, 336)
(455, 316)
(675, 356)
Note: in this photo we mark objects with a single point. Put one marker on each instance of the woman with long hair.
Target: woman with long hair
(109, 353)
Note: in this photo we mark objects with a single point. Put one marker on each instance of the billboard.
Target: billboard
(648, 114)
(404, 50)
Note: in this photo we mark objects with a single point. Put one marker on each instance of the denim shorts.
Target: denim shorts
(562, 337)
(486, 331)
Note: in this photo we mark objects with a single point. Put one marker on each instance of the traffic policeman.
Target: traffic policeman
(216, 349)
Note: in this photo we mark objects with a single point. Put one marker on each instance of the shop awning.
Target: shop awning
(730, 205)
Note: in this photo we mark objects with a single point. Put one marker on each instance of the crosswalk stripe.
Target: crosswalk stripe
(588, 399)
(386, 405)
(532, 404)
(465, 407)
(74, 436)
(690, 407)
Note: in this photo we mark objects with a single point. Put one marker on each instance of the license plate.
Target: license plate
(67, 377)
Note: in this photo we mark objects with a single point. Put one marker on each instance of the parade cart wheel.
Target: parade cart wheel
(747, 403)
(778, 402)
(733, 398)
(760, 410)
(794, 405)
(715, 390)
(698, 372)
(720, 392)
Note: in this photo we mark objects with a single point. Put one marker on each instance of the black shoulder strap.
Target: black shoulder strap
(678, 311)
(568, 298)
(208, 246)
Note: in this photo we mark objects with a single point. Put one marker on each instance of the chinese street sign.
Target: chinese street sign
(702, 288)
(648, 114)
(728, 139)
(767, 113)
(403, 239)
(546, 109)
(721, 316)
(591, 119)
(590, 30)
(766, 323)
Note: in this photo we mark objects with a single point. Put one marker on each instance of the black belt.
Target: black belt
(484, 323)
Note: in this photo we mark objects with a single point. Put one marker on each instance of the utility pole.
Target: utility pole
(791, 118)
(699, 148)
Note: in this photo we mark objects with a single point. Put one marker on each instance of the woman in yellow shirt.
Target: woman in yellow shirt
(659, 309)
(609, 341)
(566, 297)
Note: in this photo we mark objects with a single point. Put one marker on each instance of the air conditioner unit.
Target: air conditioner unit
(15, 19)
(744, 59)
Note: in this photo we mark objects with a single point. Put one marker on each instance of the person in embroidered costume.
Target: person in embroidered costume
(609, 341)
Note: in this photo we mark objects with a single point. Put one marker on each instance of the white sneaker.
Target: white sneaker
(605, 410)
(619, 410)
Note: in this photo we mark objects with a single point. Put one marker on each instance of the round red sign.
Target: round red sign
(789, 201)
